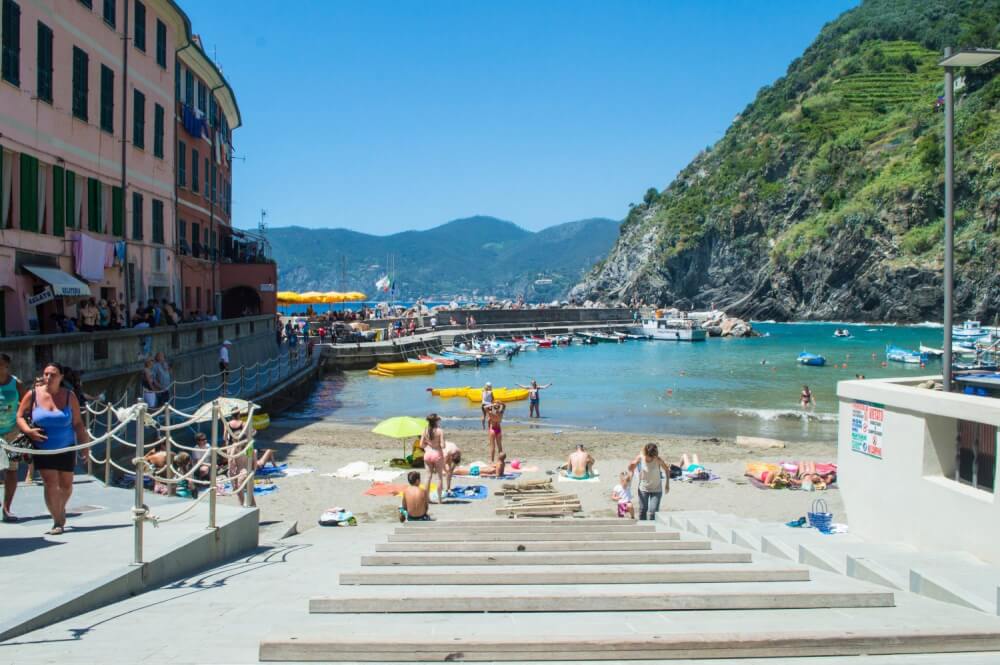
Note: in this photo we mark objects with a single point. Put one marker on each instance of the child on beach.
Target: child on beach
(622, 493)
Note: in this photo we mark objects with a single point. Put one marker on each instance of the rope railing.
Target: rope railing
(216, 415)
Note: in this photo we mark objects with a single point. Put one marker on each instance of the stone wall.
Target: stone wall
(527, 317)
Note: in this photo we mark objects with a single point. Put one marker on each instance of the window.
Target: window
(213, 112)
(80, 65)
(138, 119)
(10, 36)
(139, 35)
(29, 193)
(58, 201)
(44, 87)
(137, 216)
(158, 221)
(107, 99)
(118, 212)
(977, 451)
(109, 13)
(194, 174)
(197, 304)
(181, 164)
(188, 87)
(195, 245)
(182, 232)
(161, 44)
(94, 205)
(157, 131)
(202, 97)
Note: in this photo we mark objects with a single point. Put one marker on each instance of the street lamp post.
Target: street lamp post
(975, 57)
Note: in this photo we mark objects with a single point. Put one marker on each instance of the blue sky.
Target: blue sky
(385, 116)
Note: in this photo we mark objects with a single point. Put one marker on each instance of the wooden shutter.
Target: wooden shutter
(29, 193)
(58, 201)
(94, 205)
(70, 199)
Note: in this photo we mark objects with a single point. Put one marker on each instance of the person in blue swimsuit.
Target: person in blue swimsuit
(533, 394)
(55, 424)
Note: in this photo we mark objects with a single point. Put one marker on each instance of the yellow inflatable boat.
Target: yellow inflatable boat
(499, 394)
(403, 369)
(450, 392)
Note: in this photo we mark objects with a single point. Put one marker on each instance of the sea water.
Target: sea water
(723, 387)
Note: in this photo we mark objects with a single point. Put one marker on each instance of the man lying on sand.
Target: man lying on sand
(485, 470)
(415, 500)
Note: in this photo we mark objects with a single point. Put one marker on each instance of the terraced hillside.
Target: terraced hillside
(825, 198)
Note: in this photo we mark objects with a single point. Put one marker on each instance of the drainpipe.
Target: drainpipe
(211, 214)
(177, 218)
(124, 179)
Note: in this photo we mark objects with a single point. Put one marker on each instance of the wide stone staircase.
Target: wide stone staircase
(606, 589)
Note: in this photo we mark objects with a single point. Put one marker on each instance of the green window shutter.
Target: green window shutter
(29, 193)
(137, 222)
(94, 205)
(70, 199)
(58, 201)
(158, 221)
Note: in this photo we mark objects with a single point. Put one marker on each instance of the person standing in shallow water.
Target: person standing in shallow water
(806, 398)
(534, 391)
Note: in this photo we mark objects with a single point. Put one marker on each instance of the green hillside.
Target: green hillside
(472, 256)
(824, 199)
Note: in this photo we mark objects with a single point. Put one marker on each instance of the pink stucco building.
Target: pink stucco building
(88, 135)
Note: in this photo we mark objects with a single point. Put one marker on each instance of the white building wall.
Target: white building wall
(909, 495)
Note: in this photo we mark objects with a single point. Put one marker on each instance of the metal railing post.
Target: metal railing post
(107, 450)
(170, 448)
(87, 420)
(214, 455)
(138, 510)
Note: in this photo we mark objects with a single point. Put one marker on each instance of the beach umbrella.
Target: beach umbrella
(401, 427)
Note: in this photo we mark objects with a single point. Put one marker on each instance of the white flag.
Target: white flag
(383, 283)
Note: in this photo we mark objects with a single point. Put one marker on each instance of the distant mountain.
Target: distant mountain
(473, 256)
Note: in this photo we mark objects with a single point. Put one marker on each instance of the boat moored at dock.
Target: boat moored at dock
(673, 330)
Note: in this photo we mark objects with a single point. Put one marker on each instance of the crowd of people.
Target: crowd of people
(95, 314)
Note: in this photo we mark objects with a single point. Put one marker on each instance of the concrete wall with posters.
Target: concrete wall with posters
(904, 489)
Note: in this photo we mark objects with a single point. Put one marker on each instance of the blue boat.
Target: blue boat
(811, 359)
(908, 356)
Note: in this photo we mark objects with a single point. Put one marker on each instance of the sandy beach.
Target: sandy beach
(326, 446)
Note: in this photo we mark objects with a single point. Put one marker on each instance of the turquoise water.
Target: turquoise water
(716, 388)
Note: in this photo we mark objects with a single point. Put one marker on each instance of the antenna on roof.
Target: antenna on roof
(262, 226)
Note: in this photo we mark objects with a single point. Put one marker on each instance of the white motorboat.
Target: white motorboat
(674, 330)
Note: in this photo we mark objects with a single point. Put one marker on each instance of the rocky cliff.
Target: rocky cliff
(824, 200)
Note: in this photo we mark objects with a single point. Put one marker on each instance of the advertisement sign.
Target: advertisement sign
(40, 298)
(867, 428)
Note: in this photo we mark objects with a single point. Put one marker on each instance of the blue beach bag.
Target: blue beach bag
(820, 516)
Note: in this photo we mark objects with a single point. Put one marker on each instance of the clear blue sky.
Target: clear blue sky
(385, 116)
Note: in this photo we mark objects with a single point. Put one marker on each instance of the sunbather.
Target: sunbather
(580, 465)
(692, 469)
(485, 470)
(415, 500)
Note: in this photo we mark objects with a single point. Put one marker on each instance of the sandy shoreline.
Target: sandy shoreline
(326, 446)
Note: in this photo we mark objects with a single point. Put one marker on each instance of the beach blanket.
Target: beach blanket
(364, 471)
(271, 470)
(476, 492)
(596, 478)
(762, 486)
(293, 471)
(227, 489)
(698, 477)
(822, 468)
(513, 475)
(385, 489)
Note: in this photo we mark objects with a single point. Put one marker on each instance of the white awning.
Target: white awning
(62, 283)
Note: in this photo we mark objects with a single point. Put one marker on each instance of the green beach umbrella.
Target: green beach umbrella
(401, 427)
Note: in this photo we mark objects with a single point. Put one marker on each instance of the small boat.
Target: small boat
(970, 331)
(930, 351)
(582, 338)
(955, 351)
(811, 359)
(616, 338)
(674, 330)
(542, 342)
(908, 356)
(841, 332)
(441, 361)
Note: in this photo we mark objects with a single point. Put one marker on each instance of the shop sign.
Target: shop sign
(40, 298)
(867, 428)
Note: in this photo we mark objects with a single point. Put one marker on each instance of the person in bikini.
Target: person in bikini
(806, 399)
(495, 418)
(432, 441)
(486, 470)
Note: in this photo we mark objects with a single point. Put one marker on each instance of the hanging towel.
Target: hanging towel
(89, 254)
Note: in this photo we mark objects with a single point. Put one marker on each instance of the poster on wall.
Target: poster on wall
(867, 428)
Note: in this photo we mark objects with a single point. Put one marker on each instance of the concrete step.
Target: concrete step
(417, 536)
(507, 527)
(780, 643)
(584, 523)
(549, 546)
(834, 555)
(554, 559)
(709, 573)
(957, 579)
(805, 596)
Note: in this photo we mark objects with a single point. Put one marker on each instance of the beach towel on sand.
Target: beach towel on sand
(468, 492)
(512, 475)
(595, 478)
(271, 470)
(364, 471)
(385, 489)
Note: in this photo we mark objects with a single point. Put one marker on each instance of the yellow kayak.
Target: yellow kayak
(499, 394)
(450, 392)
(403, 369)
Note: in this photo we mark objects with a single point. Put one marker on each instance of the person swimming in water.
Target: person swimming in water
(533, 394)
(806, 398)
(495, 417)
